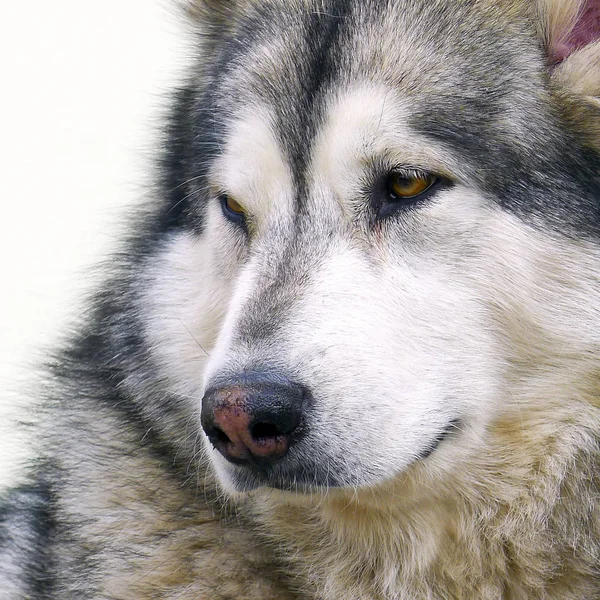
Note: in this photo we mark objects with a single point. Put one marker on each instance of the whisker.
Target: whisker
(191, 334)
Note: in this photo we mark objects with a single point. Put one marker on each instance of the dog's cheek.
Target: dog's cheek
(538, 293)
(185, 302)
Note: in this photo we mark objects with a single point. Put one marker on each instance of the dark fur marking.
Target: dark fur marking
(532, 186)
(191, 141)
(30, 512)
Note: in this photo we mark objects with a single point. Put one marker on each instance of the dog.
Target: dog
(351, 348)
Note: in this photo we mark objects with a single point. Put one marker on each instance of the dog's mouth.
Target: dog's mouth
(452, 427)
(294, 480)
(296, 474)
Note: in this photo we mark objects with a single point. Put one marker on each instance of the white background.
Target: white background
(82, 88)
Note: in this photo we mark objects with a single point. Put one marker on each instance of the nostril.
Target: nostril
(264, 430)
(220, 436)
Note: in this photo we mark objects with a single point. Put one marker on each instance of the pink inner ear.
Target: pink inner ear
(586, 30)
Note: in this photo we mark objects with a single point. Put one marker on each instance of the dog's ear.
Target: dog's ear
(570, 31)
(557, 19)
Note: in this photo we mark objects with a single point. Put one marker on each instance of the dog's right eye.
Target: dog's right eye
(232, 210)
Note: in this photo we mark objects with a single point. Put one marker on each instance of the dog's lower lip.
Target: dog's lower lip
(248, 477)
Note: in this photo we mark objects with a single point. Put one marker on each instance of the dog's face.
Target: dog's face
(376, 228)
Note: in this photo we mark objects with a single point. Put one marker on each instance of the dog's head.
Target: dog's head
(381, 229)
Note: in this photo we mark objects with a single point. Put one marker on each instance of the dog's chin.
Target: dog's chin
(237, 479)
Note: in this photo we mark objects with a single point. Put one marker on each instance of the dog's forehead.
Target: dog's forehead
(295, 60)
(467, 78)
(291, 54)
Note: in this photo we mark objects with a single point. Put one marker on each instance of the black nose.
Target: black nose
(254, 423)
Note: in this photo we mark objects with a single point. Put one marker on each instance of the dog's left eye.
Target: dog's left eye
(410, 184)
(404, 188)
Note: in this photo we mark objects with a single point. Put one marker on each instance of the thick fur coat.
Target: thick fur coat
(446, 342)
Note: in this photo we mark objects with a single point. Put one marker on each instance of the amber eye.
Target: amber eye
(232, 210)
(405, 185)
(234, 206)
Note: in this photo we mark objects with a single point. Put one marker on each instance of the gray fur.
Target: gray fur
(450, 346)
